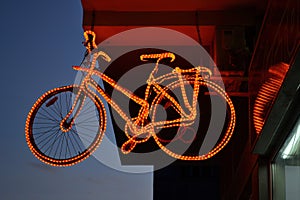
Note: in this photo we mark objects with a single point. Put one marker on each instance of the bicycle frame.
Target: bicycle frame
(138, 125)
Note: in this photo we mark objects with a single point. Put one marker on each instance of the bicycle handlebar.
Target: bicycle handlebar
(103, 55)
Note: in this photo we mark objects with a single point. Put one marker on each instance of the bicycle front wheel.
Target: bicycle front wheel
(53, 146)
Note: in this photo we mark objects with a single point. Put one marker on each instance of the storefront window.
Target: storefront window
(286, 168)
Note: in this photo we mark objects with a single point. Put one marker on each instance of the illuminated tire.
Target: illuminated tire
(49, 143)
(166, 143)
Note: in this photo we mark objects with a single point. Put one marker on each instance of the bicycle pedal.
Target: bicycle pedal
(128, 146)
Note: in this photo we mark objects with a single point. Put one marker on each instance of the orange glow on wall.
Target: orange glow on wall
(267, 94)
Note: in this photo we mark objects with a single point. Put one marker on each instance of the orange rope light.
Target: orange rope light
(138, 129)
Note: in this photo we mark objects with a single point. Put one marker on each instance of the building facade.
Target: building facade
(255, 45)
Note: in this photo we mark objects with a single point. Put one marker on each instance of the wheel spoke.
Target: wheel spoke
(55, 134)
(47, 117)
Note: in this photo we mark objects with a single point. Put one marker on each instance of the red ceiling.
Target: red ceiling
(169, 5)
(108, 9)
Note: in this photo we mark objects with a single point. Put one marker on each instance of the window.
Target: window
(286, 168)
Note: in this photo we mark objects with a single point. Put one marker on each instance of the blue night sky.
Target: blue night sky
(40, 41)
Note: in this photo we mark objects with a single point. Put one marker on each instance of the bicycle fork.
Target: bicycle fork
(67, 122)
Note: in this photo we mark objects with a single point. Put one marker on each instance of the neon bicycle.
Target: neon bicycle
(67, 124)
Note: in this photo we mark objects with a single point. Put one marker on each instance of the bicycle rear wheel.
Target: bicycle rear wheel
(184, 140)
(53, 146)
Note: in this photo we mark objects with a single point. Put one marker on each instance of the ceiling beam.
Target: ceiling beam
(169, 18)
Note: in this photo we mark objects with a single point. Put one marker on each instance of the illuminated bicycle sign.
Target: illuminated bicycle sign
(67, 124)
